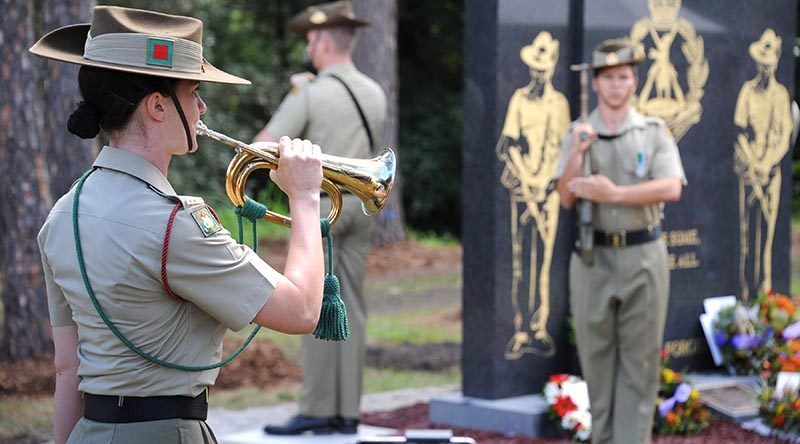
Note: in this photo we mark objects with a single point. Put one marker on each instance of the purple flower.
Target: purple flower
(792, 331)
(666, 406)
(720, 338)
(744, 342)
(682, 392)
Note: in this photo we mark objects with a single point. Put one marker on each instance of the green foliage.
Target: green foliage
(796, 186)
(250, 39)
(432, 239)
(270, 196)
(430, 37)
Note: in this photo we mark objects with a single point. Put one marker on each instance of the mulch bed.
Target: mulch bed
(262, 364)
(416, 417)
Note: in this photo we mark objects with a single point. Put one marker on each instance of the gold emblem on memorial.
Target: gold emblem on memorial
(529, 146)
(764, 117)
(662, 94)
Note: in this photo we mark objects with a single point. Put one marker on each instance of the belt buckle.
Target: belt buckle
(618, 240)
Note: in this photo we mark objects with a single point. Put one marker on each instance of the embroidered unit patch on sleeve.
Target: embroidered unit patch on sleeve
(208, 225)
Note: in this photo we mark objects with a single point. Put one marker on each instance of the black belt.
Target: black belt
(123, 409)
(621, 239)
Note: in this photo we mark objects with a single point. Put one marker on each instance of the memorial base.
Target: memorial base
(519, 415)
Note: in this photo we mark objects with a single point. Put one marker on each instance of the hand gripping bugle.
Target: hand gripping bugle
(371, 180)
(585, 228)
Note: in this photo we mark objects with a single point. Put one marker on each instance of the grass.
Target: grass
(375, 381)
(432, 239)
(246, 397)
(420, 327)
(411, 285)
(383, 380)
(21, 415)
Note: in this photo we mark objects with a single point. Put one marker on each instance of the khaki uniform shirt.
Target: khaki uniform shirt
(644, 150)
(124, 209)
(323, 112)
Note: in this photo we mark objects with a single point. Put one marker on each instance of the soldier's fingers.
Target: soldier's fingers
(284, 146)
(307, 148)
(297, 146)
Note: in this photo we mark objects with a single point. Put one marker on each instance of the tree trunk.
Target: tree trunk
(376, 56)
(24, 189)
(67, 155)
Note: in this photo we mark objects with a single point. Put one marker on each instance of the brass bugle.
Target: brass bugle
(371, 180)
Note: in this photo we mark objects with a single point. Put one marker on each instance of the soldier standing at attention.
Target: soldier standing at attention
(619, 302)
(123, 253)
(344, 111)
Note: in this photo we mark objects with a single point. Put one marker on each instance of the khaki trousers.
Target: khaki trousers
(333, 371)
(167, 431)
(619, 307)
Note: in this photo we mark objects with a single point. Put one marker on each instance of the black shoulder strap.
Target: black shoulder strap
(360, 111)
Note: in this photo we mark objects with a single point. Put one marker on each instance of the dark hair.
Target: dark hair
(110, 98)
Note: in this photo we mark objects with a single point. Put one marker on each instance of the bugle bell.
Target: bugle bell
(369, 179)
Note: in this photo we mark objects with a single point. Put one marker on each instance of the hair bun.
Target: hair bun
(84, 121)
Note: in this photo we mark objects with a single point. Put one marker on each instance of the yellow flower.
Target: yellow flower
(694, 396)
(668, 375)
(780, 409)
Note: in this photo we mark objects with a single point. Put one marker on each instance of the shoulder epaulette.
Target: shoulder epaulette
(653, 120)
(166, 196)
(190, 201)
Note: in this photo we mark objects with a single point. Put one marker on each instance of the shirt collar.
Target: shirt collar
(632, 120)
(124, 161)
(339, 69)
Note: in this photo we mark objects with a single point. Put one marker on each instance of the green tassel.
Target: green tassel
(333, 325)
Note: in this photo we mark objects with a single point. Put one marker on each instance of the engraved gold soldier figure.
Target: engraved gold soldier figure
(529, 145)
(763, 112)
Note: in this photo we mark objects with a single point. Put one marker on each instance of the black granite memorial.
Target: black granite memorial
(515, 113)
(719, 72)
(725, 236)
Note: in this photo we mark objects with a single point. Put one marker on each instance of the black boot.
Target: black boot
(347, 426)
(300, 424)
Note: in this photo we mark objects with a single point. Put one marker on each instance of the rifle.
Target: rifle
(585, 228)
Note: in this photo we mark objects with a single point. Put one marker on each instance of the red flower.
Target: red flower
(563, 405)
(664, 354)
(559, 378)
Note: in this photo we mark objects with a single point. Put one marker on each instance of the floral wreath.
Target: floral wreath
(567, 399)
(678, 407)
